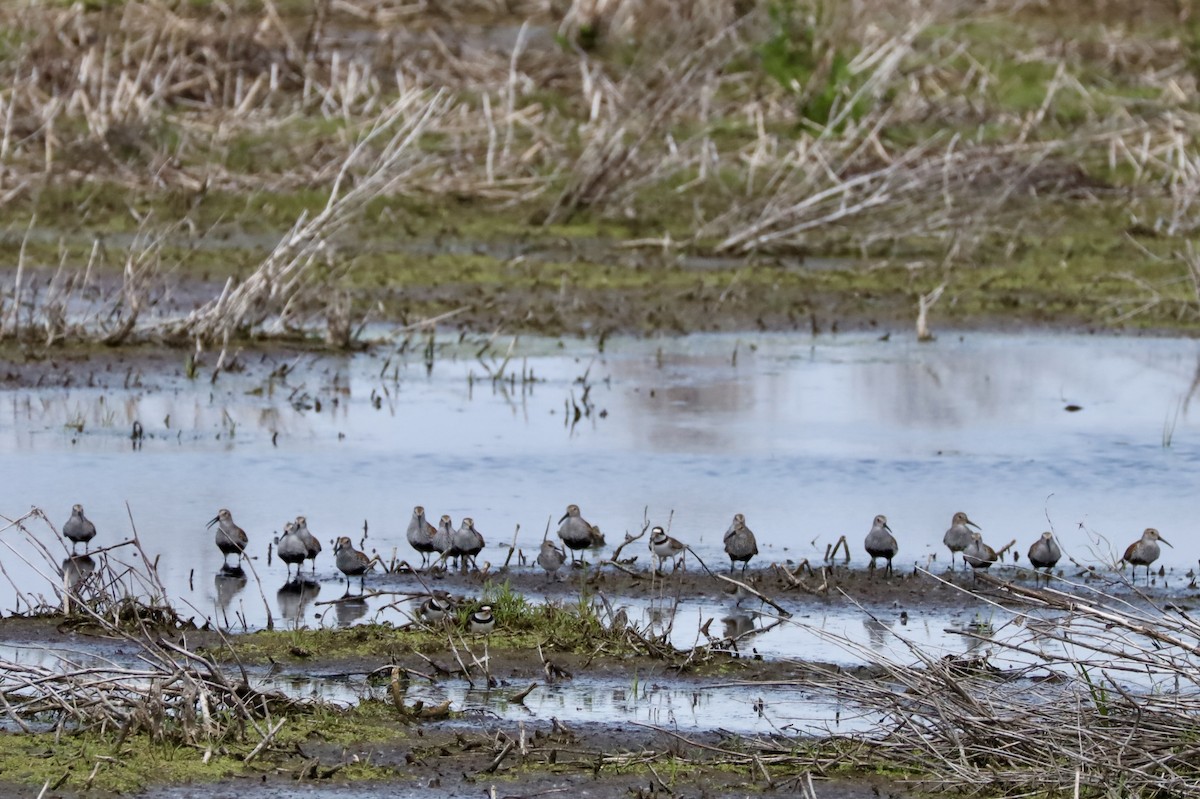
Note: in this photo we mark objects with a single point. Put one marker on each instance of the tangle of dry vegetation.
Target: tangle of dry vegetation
(1084, 692)
(172, 694)
(773, 124)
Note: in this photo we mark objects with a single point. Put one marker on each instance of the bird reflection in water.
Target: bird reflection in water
(737, 624)
(660, 617)
(350, 610)
(228, 583)
(877, 632)
(294, 597)
(978, 632)
(77, 569)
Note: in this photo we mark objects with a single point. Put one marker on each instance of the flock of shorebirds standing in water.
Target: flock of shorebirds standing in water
(438, 544)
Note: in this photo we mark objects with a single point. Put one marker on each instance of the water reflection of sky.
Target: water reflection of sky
(808, 438)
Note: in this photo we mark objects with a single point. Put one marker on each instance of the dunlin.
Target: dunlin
(312, 544)
(468, 542)
(79, 529)
(231, 539)
(576, 532)
(881, 543)
(420, 534)
(1044, 553)
(351, 562)
(551, 558)
(291, 548)
(979, 555)
(958, 537)
(740, 543)
(1145, 550)
(443, 539)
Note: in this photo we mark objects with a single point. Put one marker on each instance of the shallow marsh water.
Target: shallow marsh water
(808, 437)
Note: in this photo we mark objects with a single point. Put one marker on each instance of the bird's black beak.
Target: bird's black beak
(1165, 541)
(564, 518)
(887, 527)
(976, 526)
(215, 519)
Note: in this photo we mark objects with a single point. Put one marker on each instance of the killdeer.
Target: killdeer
(312, 544)
(78, 529)
(1044, 553)
(420, 535)
(881, 543)
(664, 546)
(437, 608)
(958, 537)
(1145, 550)
(351, 562)
(231, 539)
(740, 543)
(482, 622)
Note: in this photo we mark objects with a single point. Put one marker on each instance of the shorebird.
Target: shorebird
(312, 544)
(958, 537)
(577, 533)
(979, 555)
(551, 558)
(78, 529)
(482, 622)
(420, 534)
(1145, 551)
(468, 542)
(437, 608)
(291, 548)
(664, 546)
(1044, 553)
(443, 539)
(881, 543)
(231, 539)
(351, 562)
(740, 543)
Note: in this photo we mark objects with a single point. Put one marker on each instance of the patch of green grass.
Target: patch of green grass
(139, 761)
(520, 625)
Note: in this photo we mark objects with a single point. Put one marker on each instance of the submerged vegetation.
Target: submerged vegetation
(200, 172)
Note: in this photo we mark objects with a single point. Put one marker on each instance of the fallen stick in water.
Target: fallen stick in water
(782, 611)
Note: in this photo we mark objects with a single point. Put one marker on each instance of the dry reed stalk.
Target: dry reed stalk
(288, 276)
(630, 118)
(1082, 685)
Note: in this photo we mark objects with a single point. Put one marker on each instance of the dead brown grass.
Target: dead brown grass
(598, 108)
